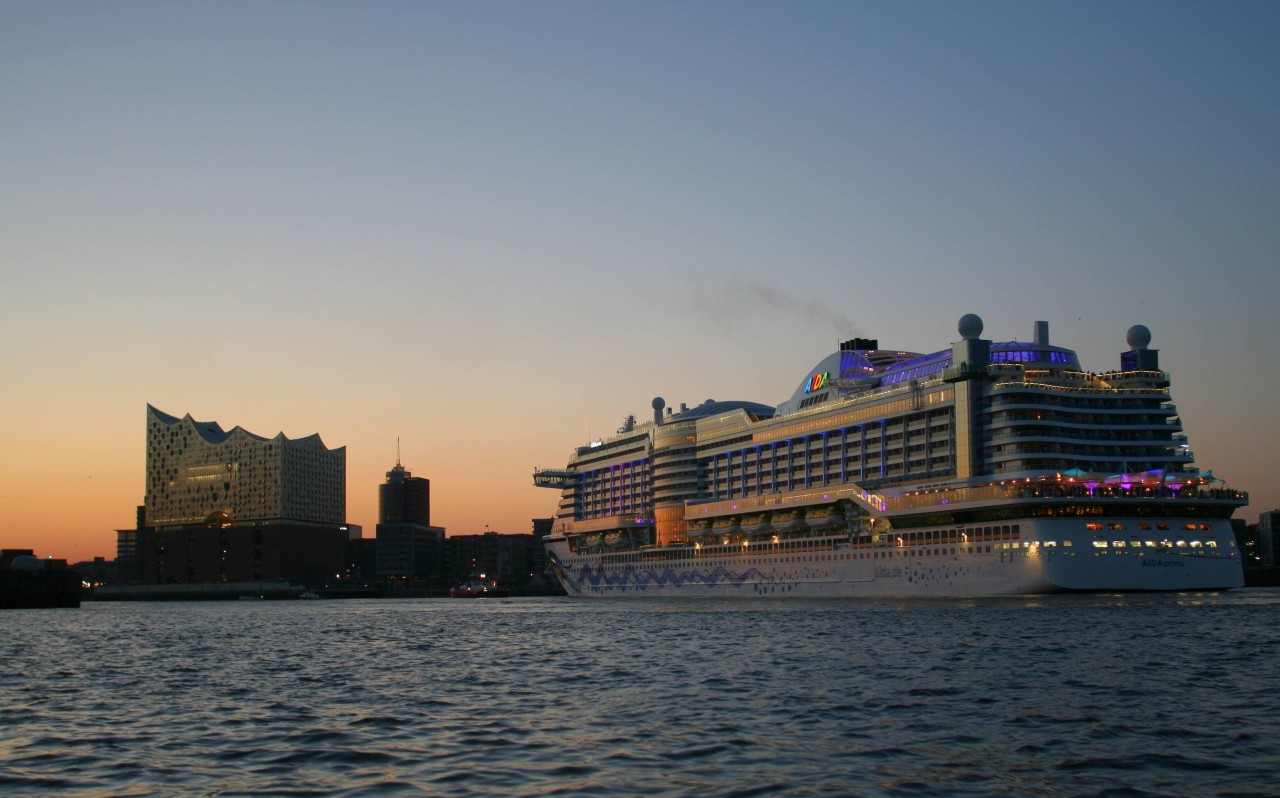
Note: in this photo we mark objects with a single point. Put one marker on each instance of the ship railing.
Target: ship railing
(787, 546)
(1092, 491)
(1136, 374)
(1053, 387)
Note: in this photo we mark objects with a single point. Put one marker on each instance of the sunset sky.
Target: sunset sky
(492, 230)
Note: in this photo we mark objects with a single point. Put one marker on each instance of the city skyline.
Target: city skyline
(491, 232)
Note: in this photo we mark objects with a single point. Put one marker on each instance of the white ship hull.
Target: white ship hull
(840, 570)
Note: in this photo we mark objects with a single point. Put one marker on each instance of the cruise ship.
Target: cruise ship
(985, 469)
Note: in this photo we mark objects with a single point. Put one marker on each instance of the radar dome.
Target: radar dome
(1138, 337)
(659, 403)
(970, 326)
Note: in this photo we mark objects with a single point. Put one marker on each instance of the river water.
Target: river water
(1165, 695)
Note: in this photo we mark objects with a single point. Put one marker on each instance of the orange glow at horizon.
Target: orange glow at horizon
(492, 238)
(67, 504)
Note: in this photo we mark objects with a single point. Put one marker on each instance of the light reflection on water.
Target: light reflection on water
(1054, 696)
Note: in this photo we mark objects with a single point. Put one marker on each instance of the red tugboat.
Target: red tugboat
(478, 585)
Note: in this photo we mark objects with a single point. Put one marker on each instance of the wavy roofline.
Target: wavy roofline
(212, 431)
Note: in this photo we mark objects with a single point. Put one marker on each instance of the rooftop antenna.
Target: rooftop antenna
(397, 450)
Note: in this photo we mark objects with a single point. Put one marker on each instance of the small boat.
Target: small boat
(477, 585)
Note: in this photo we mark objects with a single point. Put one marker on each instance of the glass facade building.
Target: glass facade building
(199, 473)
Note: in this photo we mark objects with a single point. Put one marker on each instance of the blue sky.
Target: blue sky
(495, 229)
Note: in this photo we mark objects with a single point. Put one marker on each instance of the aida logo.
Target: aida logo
(817, 382)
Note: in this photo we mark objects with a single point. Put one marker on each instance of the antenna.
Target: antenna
(397, 450)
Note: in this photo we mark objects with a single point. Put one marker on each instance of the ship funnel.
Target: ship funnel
(1042, 333)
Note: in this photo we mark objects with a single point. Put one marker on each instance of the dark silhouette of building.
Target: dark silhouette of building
(128, 565)
(540, 578)
(301, 554)
(409, 550)
(517, 561)
(362, 560)
(404, 498)
(408, 547)
(98, 571)
(1257, 553)
(27, 582)
(1268, 524)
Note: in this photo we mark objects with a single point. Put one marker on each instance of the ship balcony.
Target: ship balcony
(1089, 412)
(1009, 462)
(558, 478)
(1135, 440)
(1045, 389)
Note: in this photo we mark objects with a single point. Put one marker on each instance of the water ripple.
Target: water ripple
(1057, 696)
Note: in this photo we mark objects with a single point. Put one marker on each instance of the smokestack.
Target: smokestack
(1042, 333)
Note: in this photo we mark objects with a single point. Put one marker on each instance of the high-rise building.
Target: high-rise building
(408, 546)
(231, 506)
(404, 498)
